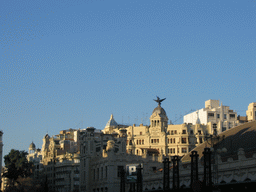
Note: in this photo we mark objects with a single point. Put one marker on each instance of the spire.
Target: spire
(111, 121)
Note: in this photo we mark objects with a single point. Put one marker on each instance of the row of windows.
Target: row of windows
(98, 173)
(129, 133)
(154, 140)
(172, 140)
(140, 142)
(157, 123)
(211, 115)
(174, 132)
(172, 150)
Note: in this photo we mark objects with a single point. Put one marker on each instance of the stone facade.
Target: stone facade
(35, 156)
(61, 160)
(167, 139)
(222, 116)
(102, 157)
(251, 112)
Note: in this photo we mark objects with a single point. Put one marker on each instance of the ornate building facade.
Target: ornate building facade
(61, 160)
(165, 138)
(35, 156)
(102, 155)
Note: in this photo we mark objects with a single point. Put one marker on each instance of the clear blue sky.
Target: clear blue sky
(67, 64)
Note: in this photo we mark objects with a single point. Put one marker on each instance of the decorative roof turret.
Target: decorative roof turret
(32, 146)
(159, 110)
(111, 122)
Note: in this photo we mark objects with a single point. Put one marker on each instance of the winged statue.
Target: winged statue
(158, 100)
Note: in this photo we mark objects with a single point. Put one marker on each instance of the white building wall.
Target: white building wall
(192, 117)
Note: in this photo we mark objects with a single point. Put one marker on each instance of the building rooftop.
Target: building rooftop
(242, 136)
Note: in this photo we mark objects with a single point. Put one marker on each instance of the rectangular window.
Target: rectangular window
(232, 115)
(137, 142)
(218, 115)
(152, 140)
(200, 140)
(184, 150)
(157, 140)
(183, 131)
(191, 132)
(225, 116)
(178, 150)
(140, 133)
(210, 114)
(173, 150)
(184, 140)
(173, 140)
(168, 140)
(142, 141)
(171, 132)
(175, 132)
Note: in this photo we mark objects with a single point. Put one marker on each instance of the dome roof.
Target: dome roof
(111, 122)
(159, 110)
(32, 146)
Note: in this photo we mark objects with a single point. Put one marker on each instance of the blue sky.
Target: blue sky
(70, 64)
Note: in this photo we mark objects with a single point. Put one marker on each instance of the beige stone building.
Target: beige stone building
(61, 160)
(4, 180)
(104, 155)
(213, 114)
(164, 138)
(35, 156)
(251, 112)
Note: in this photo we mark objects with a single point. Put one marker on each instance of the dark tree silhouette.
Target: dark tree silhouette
(17, 166)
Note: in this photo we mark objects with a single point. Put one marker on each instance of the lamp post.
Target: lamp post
(212, 140)
(122, 180)
(139, 178)
(216, 164)
(176, 180)
(166, 182)
(207, 169)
